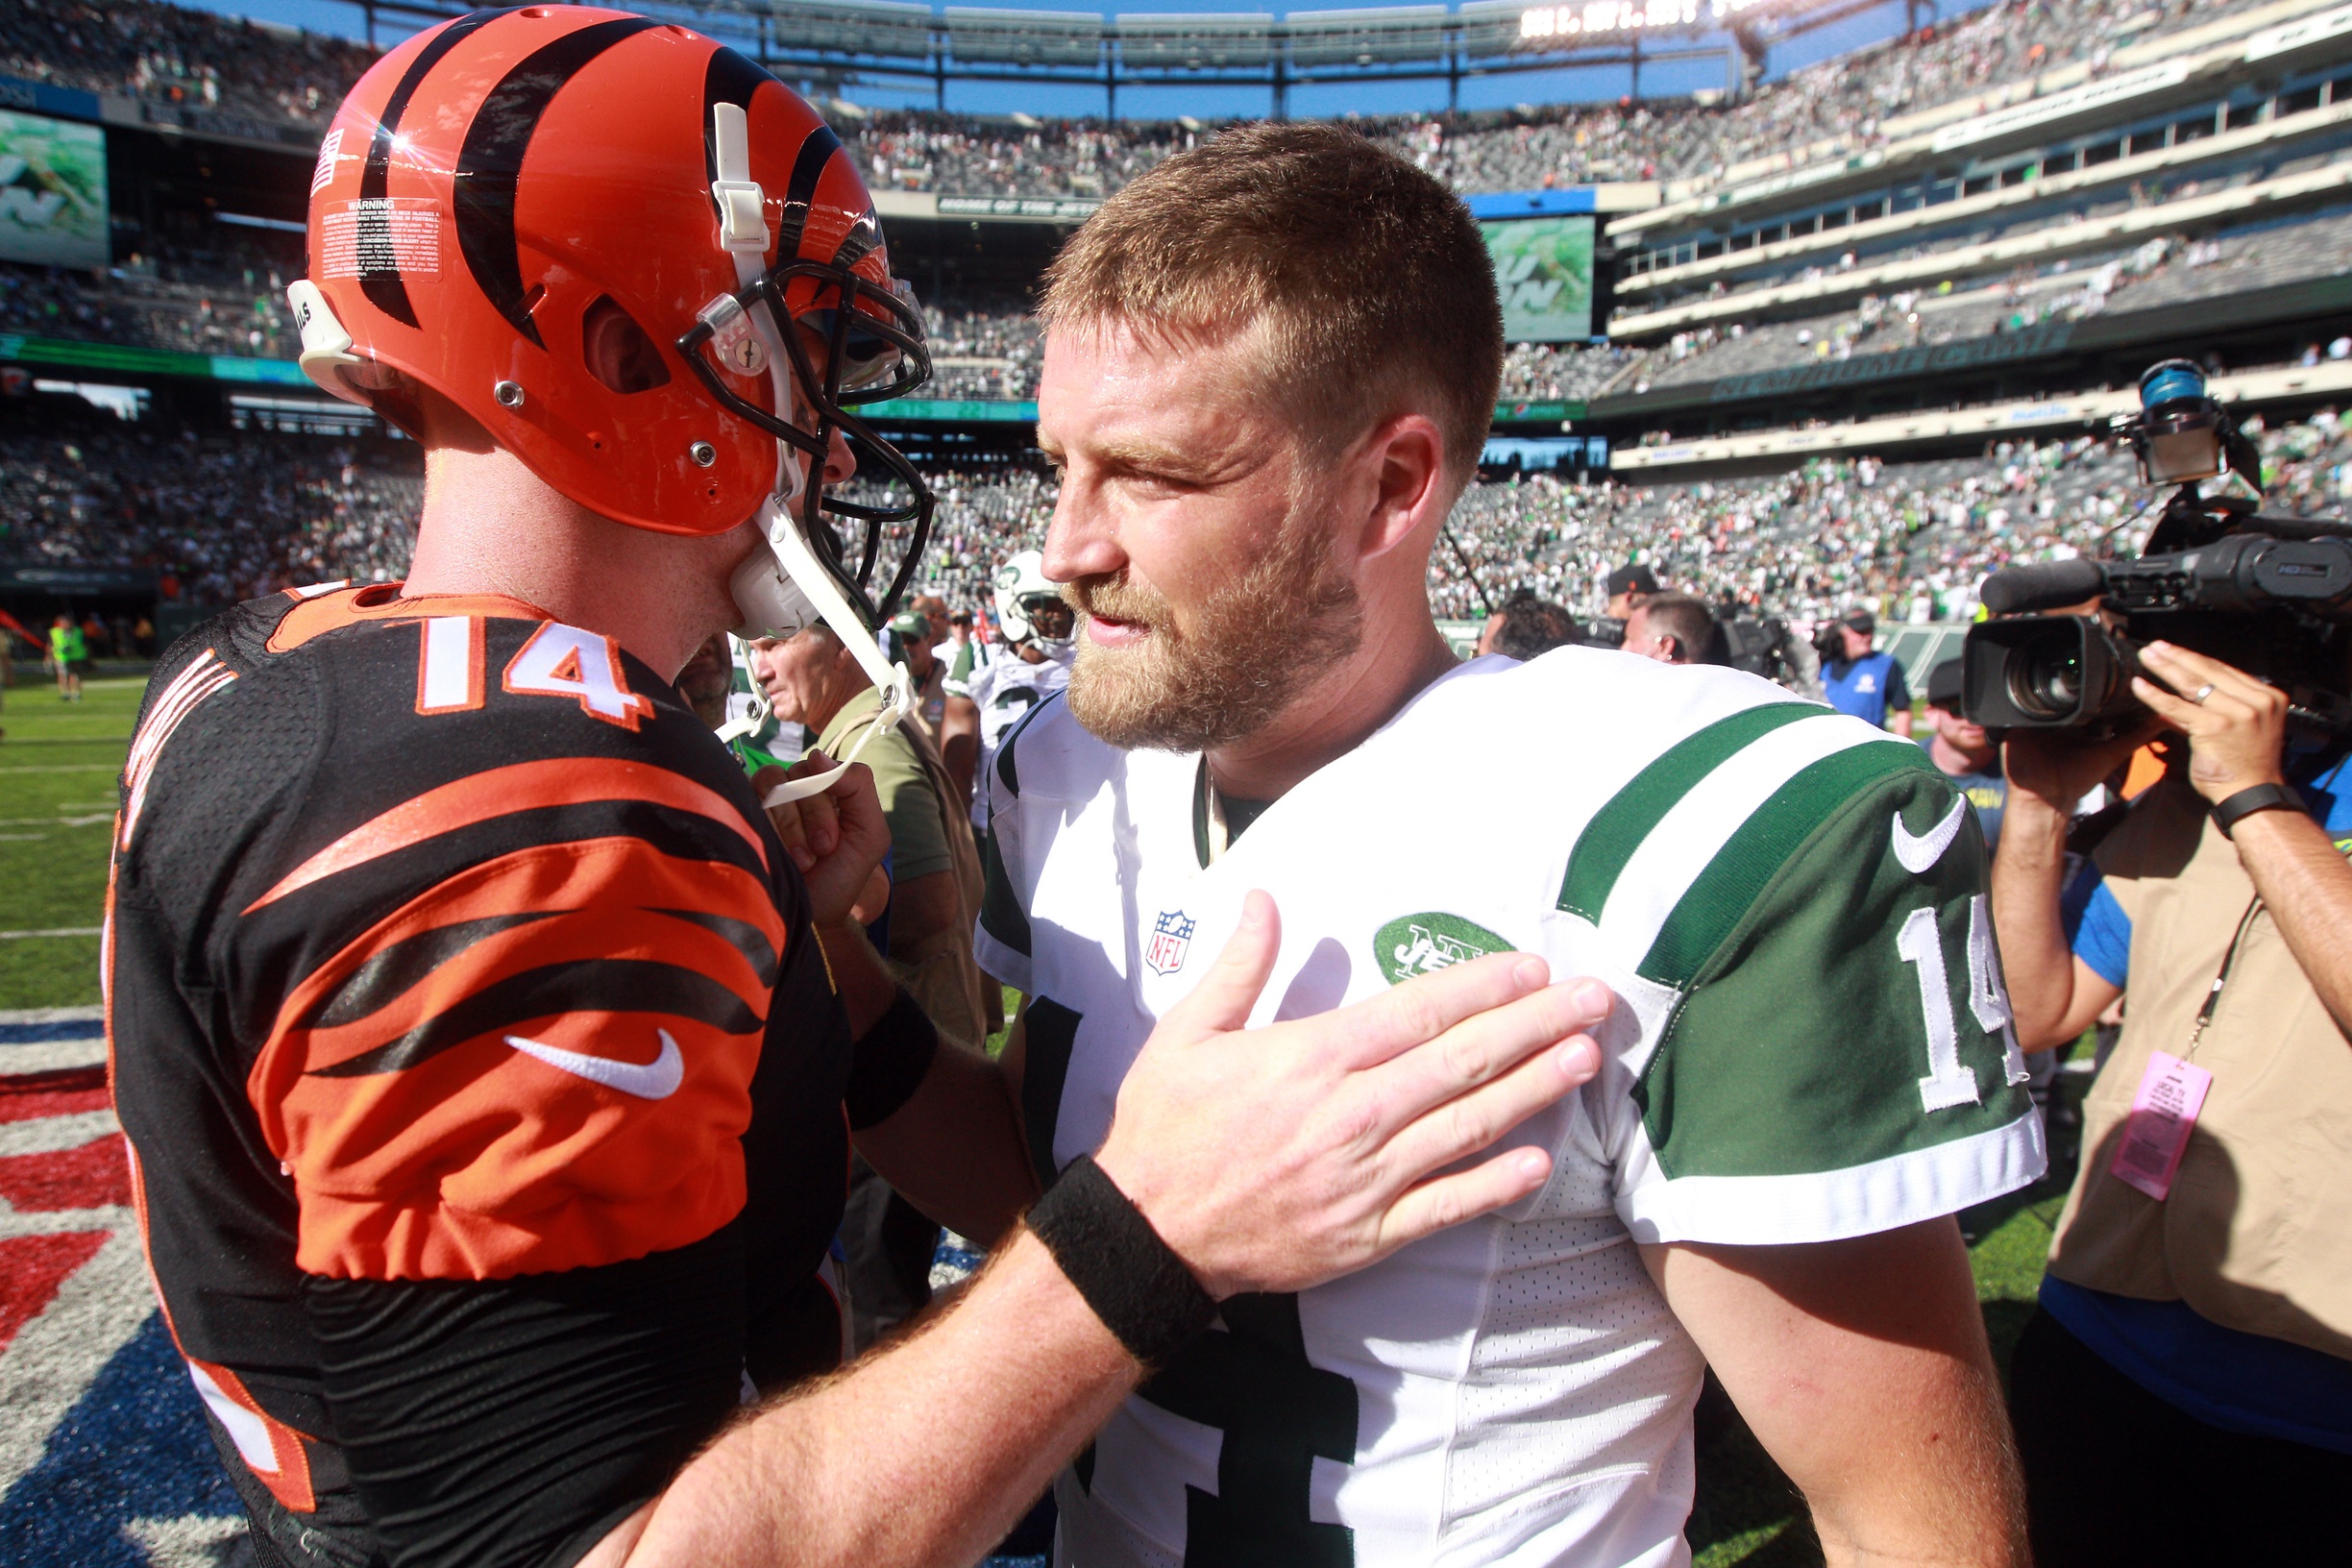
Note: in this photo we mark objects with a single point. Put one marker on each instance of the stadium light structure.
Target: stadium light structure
(838, 43)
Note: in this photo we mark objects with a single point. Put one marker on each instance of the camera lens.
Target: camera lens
(2046, 677)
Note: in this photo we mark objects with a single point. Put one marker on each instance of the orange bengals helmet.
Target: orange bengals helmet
(497, 189)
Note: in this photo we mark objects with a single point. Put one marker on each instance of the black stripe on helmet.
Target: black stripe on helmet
(490, 164)
(380, 278)
(728, 79)
(808, 167)
(863, 238)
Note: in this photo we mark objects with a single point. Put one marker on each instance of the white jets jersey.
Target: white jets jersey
(1004, 692)
(1811, 1041)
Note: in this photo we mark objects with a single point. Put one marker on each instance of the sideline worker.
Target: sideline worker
(1866, 683)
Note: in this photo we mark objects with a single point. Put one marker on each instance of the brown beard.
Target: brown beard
(1253, 645)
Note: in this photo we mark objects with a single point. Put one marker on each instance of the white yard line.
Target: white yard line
(53, 1014)
(51, 1055)
(55, 1135)
(56, 931)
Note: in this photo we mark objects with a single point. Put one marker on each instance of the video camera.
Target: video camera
(2271, 595)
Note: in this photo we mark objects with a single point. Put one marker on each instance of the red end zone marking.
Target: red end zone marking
(32, 1267)
(49, 1101)
(95, 1174)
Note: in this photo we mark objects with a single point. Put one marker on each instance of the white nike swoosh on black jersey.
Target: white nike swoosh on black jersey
(1922, 851)
(654, 1080)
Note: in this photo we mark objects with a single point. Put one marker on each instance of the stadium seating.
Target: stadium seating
(221, 518)
(172, 55)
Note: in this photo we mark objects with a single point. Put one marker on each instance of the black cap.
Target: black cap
(1862, 620)
(1631, 579)
(1944, 686)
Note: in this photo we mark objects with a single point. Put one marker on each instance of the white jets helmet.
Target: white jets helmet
(1025, 596)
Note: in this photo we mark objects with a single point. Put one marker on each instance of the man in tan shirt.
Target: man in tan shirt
(2184, 1392)
(920, 916)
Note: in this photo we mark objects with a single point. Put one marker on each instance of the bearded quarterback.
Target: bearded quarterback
(490, 1058)
(1270, 365)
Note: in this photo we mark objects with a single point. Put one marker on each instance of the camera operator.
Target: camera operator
(2184, 1392)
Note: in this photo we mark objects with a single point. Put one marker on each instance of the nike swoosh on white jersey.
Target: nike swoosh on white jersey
(654, 1080)
(1919, 852)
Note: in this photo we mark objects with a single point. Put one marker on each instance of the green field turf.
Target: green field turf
(58, 766)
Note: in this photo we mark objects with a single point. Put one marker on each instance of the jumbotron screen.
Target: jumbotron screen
(1544, 268)
(52, 191)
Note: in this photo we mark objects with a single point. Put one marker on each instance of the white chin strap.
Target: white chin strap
(784, 589)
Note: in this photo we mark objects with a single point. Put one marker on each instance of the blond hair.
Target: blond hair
(1367, 279)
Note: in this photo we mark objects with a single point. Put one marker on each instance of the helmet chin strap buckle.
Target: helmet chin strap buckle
(742, 207)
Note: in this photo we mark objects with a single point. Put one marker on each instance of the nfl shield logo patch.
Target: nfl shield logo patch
(1170, 939)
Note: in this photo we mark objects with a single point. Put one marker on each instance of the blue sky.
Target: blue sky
(1208, 102)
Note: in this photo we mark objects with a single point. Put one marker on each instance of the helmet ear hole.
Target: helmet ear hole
(618, 351)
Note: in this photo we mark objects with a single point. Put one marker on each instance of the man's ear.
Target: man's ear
(620, 352)
(1408, 452)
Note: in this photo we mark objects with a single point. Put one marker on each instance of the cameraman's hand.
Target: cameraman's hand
(2058, 767)
(837, 838)
(1277, 1158)
(2237, 728)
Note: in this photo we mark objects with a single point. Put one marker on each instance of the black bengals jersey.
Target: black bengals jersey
(483, 1079)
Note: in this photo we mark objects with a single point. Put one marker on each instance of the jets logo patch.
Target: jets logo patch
(1171, 939)
(1424, 943)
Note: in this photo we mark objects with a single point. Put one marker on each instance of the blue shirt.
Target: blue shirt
(1866, 687)
(1988, 794)
(2243, 1382)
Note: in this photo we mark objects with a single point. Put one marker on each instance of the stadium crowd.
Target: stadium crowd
(1842, 101)
(2159, 274)
(176, 54)
(994, 351)
(228, 518)
(221, 518)
(164, 53)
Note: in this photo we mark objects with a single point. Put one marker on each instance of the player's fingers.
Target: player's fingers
(1382, 1027)
(1231, 987)
(1480, 1050)
(1509, 1176)
(1474, 1121)
(785, 818)
(856, 801)
(820, 813)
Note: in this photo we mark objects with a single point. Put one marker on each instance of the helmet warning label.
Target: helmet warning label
(373, 237)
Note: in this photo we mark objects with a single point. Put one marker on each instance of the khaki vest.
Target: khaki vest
(2257, 1233)
(940, 972)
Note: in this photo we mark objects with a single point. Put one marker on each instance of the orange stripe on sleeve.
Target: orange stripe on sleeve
(537, 1066)
(499, 792)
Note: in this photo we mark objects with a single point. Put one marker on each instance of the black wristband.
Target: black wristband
(2228, 813)
(889, 1063)
(1133, 1281)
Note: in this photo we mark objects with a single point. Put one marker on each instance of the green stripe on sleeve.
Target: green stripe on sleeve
(1716, 899)
(1617, 829)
